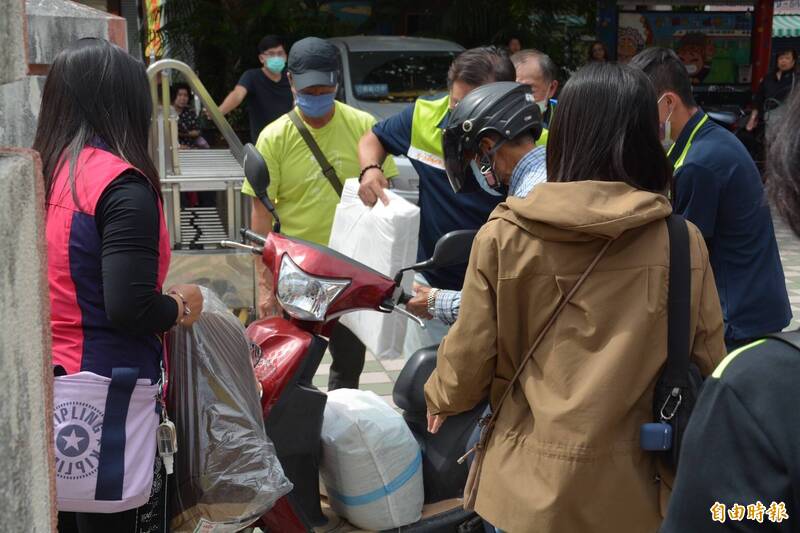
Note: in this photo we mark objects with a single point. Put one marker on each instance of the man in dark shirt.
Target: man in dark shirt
(266, 89)
(740, 458)
(718, 188)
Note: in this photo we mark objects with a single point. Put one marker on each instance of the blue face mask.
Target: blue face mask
(275, 64)
(315, 106)
(481, 179)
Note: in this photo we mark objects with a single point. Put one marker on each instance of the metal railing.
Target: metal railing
(199, 90)
(218, 170)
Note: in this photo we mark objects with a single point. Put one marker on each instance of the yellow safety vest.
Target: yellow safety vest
(543, 137)
(426, 135)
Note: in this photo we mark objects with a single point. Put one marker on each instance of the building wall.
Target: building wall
(51, 26)
(27, 486)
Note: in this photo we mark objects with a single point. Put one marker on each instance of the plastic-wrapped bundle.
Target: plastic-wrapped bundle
(228, 474)
(371, 462)
(384, 238)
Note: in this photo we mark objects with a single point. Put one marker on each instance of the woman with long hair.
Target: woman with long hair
(564, 454)
(107, 245)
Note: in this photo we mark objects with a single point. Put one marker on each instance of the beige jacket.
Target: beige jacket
(565, 454)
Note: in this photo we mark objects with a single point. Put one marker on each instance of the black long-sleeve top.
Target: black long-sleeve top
(127, 218)
(772, 87)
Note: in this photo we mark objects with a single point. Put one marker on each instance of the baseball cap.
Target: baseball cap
(313, 61)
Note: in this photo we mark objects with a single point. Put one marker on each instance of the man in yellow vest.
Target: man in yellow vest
(417, 134)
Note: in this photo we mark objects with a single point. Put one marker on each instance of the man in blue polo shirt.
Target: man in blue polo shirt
(417, 133)
(717, 187)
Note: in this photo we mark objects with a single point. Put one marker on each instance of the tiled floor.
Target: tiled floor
(790, 256)
(379, 376)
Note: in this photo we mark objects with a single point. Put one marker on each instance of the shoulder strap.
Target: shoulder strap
(792, 338)
(676, 371)
(327, 168)
(546, 328)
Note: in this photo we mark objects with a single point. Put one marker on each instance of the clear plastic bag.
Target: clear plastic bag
(227, 472)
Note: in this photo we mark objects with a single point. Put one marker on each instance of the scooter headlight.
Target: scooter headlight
(303, 296)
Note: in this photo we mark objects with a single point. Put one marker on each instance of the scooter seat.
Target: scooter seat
(409, 390)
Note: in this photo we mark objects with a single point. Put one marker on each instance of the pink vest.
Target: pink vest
(83, 337)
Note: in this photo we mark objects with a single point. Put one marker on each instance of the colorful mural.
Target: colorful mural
(715, 47)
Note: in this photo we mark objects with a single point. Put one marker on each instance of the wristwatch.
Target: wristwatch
(432, 301)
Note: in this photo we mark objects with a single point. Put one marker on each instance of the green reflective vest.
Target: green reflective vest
(426, 135)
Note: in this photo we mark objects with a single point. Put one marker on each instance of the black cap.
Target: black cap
(313, 61)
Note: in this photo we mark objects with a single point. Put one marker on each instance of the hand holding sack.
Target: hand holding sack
(384, 238)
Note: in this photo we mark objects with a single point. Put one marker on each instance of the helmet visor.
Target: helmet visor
(456, 162)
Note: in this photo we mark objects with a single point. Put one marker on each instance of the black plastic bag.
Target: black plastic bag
(227, 472)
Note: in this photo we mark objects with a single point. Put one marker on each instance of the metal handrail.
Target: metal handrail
(199, 89)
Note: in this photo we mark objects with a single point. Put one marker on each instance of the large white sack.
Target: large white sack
(371, 463)
(384, 238)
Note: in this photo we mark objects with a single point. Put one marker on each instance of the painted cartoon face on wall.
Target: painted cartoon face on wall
(696, 51)
(693, 58)
(626, 49)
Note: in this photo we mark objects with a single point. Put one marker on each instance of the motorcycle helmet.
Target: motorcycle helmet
(505, 108)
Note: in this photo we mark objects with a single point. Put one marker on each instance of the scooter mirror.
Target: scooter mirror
(453, 248)
(255, 168)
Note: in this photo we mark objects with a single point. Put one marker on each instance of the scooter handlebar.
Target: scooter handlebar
(257, 250)
(390, 307)
(252, 236)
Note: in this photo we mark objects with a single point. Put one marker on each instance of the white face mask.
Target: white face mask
(666, 128)
(692, 69)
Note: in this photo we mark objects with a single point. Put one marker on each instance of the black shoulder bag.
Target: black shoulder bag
(327, 168)
(679, 385)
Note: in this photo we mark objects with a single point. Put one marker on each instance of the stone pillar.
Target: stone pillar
(27, 485)
(51, 26)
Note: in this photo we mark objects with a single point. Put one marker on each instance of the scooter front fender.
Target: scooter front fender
(284, 347)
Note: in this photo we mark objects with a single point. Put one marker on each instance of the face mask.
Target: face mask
(275, 64)
(542, 105)
(692, 69)
(315, 106)
(665, 129)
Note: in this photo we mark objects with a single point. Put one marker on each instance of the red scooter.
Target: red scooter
(315, 286)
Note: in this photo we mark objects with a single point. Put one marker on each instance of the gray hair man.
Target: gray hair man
(536, 69)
